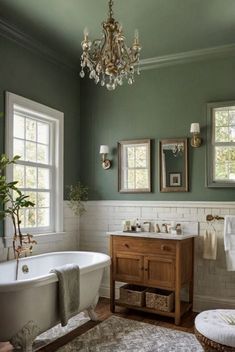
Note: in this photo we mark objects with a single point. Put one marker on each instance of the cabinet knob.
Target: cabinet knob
(164, 247)
(145, 269)
(126, 245)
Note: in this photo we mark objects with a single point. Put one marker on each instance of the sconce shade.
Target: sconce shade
(104, 149)
(195, 127)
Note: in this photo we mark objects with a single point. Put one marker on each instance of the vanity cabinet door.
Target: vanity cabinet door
(159, 271)
(128, 267)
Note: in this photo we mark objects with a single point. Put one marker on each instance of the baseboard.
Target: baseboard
(208, 302)
(201, 303)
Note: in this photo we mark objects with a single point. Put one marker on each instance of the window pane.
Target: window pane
(32, 197)
(18, 173)
(221, 117)
(232, 134)
(30, 151)
(31, 177)
(43, 199)
(42, 154)
(18, 126)
(30, 217)
(43, 217)
(22, 217)
(43, 133)
(232, 117)
(43, 178)
(142, 178)
(130, 154)
(30, 127)
(221, 171)
(222, 134)
(222, 154)
(131, 179)
(232, 171)
(18, 148)
(141, 155)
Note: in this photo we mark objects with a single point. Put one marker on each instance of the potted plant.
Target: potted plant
(77, 194)
(12, 200)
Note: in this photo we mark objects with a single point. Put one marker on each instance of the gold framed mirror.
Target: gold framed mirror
(134, 166)
(173, 165)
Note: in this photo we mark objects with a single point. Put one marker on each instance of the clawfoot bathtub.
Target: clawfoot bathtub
(31, 303)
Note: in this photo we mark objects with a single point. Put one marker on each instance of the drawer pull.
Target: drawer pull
(165, 248)
(126, 245)
(146, 269)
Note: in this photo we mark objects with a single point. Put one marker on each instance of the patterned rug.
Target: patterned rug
(58, 331)
(122, 335)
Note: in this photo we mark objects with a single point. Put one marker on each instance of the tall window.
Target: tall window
(35, 134)
(221, 158)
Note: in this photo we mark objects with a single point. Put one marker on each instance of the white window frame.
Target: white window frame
(49, 115)
(211, 181)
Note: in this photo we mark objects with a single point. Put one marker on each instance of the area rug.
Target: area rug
(58, 331)
(121, 335)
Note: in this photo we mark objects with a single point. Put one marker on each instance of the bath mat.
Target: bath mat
(122, 335)
(58, 331)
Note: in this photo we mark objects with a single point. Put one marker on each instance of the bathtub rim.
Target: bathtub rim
(11, 286)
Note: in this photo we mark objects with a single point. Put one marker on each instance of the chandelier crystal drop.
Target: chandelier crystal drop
(109, 60)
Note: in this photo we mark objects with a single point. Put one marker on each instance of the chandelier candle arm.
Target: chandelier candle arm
(109, 60)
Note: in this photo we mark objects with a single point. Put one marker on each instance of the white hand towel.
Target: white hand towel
(210, 245)
(229, 229)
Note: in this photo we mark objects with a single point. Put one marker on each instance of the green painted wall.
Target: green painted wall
(161, 104)
(32, 76)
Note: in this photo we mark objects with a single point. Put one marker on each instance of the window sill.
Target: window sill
(40, 238)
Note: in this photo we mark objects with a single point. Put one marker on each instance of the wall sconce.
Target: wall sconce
(106, 163)
(196, 140)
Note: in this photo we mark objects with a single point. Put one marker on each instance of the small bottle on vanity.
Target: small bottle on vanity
(178, 229)
(138, 226)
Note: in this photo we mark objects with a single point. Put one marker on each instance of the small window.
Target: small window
(221, 144)
(34, 132)
(134, 166)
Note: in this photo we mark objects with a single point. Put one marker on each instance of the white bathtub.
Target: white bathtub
(34, 297)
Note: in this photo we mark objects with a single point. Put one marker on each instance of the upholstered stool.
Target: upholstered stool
(214, 332)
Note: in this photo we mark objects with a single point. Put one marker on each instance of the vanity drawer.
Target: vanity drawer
(143, 245)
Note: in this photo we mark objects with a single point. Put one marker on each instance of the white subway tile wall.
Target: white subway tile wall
(214, 286)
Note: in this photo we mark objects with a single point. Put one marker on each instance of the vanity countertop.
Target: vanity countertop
(161, 235)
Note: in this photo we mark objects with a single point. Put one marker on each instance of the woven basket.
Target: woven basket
(160, 299)
(211, 346)
(133, 295)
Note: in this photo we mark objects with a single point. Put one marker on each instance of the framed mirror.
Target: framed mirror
(134, 166)
(173, 165)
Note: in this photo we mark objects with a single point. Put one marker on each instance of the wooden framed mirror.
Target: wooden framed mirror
(173, 165)
(134, 166)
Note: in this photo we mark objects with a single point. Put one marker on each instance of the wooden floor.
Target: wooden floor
(103, 312)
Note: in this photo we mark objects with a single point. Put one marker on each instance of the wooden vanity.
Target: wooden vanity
(153, 260)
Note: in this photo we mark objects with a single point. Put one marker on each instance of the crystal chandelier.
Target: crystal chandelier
(109, 60)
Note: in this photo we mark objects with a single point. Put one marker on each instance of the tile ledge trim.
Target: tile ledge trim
(163, 204)
(6, 242)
